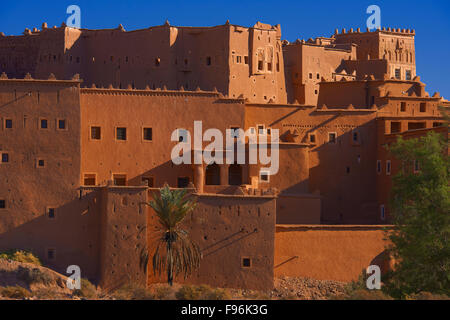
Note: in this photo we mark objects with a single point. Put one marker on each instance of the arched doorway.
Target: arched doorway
(212, 175)
(235, 175)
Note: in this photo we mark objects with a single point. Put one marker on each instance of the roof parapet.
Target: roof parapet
(384, 30)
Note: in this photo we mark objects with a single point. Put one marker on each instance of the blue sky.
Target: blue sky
(298, 19)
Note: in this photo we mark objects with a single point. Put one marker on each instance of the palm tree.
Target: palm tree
(175, 253)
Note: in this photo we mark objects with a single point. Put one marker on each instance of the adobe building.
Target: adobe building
(86, 124)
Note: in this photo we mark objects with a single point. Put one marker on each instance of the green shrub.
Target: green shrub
(364, 294)
(419, 207)
(357, 290)
(357, 285)
(47, 294)
(187, 293)
(202, 292)
(163, 292)
(87, 291)
(133, 292)
(427, 296)
(217, 294)
(32, 276)
(21, 256)
(16, 292)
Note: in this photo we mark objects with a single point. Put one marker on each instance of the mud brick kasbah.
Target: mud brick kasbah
(86, 124)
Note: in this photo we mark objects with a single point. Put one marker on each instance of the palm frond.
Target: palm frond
(174, 253)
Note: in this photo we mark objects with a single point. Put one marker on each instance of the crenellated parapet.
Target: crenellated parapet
(389, 30)
(110, 89)
(29, 78)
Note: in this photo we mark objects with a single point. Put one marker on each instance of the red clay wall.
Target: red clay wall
(30, 190)
(301, 208)
(327, 252)
(227, 229)
(164, 112)
(123, 236)
(342, 172)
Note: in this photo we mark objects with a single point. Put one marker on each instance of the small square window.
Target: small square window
(44, 124)
(403, 106)
(61, 124)
(41, 163)
(51, 213)
(120, 180)
(312, 138)
(395, 126)
(121, 134)
(183, 182)
(408, 75)
(89, 179)
(2, 204)
(264, 176)
(5, 157)
(51, 254)
(148, 181)
(261, 130)
(8, 124)
(260, 65)
(246, 262)
(332, 137)
(148, 134)
(95, 133)
(423, 107)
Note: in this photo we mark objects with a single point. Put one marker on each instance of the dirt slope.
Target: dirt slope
(39, 281)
